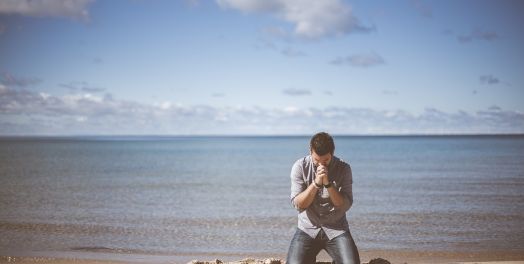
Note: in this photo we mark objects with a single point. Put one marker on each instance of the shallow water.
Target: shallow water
(173, 195)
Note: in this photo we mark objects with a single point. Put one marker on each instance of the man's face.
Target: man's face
(321, 160)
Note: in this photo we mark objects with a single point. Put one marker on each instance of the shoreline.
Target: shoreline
(394, 256)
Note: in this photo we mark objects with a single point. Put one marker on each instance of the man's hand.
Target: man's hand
(321, 177)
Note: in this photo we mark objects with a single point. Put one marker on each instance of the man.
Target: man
(321, 191)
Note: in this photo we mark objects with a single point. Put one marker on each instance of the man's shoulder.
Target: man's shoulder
(303, 162)
(301, 166)
(340, 163)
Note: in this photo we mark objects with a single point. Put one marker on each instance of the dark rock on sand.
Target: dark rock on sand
(379, 261)
(244, 261)
(273, 261)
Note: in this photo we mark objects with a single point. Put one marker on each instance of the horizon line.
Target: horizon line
(253, 135)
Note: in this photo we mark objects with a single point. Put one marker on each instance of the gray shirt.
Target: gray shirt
(322, 214)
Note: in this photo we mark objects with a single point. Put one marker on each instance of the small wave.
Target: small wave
(105, 250)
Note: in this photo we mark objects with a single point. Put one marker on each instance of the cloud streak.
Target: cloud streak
(288, 51)
(360, 60)
(296, 92)
(10, 80)
(489, 79)
(24, 112)
(478, 35)
(311, 19)
(77, 9)
(81, 87)
(422, 8)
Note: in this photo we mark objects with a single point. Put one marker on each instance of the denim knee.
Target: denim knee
(343, 249)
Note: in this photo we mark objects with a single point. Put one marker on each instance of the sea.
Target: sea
(222, 195)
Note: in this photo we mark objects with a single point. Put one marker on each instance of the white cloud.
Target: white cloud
(311, 19)
(28, 112)
(47, 8)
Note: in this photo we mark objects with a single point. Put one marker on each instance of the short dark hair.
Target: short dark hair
(322, 144)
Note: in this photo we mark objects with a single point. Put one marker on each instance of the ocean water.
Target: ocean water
(221, 195)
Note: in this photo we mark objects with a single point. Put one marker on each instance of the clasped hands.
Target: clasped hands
(321, 175)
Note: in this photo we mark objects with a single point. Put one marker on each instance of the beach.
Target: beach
(493, 257)
(425, 199)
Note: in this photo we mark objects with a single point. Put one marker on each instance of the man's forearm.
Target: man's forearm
(304, 199)
(336, 197)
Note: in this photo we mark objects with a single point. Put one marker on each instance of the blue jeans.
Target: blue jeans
(304, 249)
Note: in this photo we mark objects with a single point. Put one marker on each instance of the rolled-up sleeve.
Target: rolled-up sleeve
(346, 188)
(297, 181)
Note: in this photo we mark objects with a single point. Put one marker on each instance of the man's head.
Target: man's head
(322, 148)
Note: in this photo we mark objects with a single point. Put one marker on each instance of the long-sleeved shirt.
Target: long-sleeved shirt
(322, 214)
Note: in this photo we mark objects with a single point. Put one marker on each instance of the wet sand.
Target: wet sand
(396, 256)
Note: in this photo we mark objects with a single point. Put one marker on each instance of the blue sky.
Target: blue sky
(261, 67)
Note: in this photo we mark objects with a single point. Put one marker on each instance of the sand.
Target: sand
(394, 256)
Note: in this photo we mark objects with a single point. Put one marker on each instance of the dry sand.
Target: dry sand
(395, 257)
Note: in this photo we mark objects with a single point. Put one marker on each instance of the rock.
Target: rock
(244, 261)
(379, 261)
(275, 261)
(216, 261)
(272, 261)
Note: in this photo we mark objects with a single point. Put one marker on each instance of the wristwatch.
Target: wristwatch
(328, 185)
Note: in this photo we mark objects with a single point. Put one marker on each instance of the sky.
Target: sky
(261, 67)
